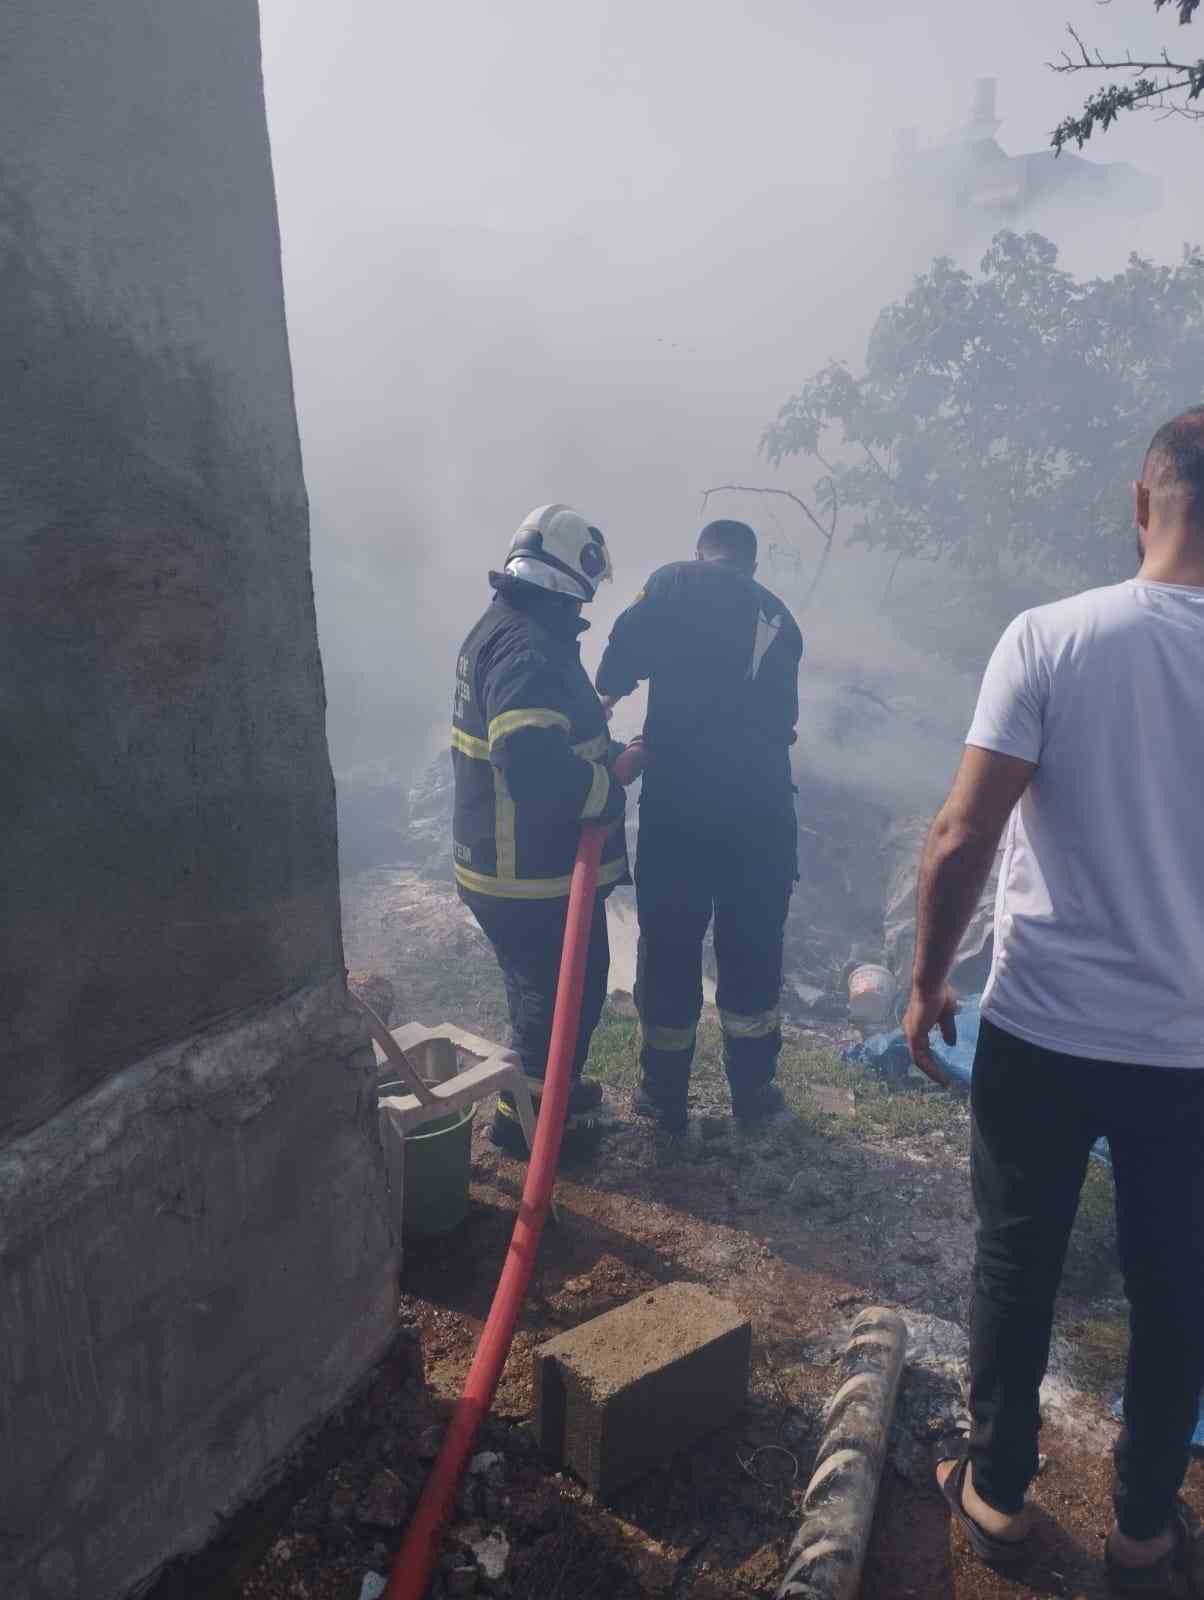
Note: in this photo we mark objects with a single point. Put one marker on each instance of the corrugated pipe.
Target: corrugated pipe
(828, 1552)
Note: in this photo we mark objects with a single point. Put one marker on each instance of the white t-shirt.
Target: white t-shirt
(1099, 921)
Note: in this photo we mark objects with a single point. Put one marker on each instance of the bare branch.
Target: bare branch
(1094, 61)
(898, 562)
(1100, 65)
(787, 494)
(835, 493)
(829, 538)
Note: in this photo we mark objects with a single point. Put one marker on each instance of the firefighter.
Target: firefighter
(531, 755)
(718, 831)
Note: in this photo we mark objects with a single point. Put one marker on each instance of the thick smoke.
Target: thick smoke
(552, 255)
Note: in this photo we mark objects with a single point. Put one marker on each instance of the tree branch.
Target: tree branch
(1145, 93)
(787, 494)
(1187, 8)
(873, 459)
(1096, 62)
(890, 582)
(835, 493)
(829, 538)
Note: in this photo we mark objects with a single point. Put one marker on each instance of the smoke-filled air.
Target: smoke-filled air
(601, 625)
(587, 254)
(590, 256)
(906, 293)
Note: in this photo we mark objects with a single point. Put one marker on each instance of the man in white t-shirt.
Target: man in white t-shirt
(1087, 747)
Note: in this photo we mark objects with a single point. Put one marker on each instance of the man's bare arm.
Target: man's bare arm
(956, 864)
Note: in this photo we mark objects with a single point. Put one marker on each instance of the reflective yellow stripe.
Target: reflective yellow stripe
(507, 1108)
(512, 721)
(738, 1026)
(599, 793)
(657, 1038)
(503, 826)
(532, 888)
(468, 746)
(594, 749)
(591, 750)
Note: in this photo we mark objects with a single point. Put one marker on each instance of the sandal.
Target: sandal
(1156, 1578)
(987, 1547)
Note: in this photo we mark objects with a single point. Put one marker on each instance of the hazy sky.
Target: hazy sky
(549, 251)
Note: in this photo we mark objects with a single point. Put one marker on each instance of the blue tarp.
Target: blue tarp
(887, 1053)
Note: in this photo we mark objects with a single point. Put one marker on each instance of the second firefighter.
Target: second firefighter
(718, 832)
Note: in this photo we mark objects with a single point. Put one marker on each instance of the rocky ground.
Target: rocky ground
(859, 1196)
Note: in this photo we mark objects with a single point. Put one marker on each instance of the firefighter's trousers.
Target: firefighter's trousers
(742, 871)
(527, 936)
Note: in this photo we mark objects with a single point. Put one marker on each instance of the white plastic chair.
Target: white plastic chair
(429, 1061)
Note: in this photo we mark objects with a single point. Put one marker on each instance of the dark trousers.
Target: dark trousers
(741, 871)
(1036, 1115)
(527, 936)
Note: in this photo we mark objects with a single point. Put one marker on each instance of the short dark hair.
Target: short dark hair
(1175, 459)
(729, 541)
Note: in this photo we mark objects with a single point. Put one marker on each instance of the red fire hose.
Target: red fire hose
(416, 1558)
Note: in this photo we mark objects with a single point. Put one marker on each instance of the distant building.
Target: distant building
(971, 170)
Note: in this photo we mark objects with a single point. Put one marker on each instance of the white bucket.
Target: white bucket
(871, 994)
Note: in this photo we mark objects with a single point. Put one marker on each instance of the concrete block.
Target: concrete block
(196, 1268)
(622, 1393)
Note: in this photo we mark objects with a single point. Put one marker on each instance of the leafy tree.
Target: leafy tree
(1166, 85)
(1001, 418)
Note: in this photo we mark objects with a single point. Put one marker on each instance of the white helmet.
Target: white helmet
(555, 548)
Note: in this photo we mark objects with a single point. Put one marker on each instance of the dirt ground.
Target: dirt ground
(720, 1522)
(858, 1197)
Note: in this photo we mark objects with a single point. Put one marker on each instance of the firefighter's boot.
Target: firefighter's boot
(670, 1111)
(581, 1130)
(757, 1103)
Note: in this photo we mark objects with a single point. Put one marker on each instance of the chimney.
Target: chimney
(983, 123)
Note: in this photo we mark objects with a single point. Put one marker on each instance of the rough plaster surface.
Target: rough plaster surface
(196, 1266)
(167, 840)
(194, 1259)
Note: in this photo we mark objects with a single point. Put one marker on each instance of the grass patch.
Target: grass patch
(908, 1110)
(1097, 1206)
(1100, 1349)
(614, 1052)
(1091, 1266)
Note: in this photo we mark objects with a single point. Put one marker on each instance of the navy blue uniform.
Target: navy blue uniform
(530, 755)
(530, 751)
(718, 832)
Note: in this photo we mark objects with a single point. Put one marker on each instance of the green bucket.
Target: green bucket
(438, 1158)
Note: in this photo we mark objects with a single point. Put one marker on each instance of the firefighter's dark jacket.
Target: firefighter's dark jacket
(530, 751)
(721, 655)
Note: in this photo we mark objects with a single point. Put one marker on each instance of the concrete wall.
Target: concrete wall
(194, 1263)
